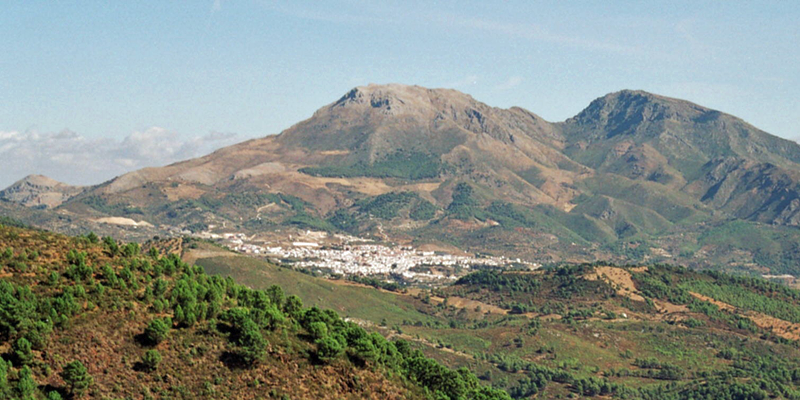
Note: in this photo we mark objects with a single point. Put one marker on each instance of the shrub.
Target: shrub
(76, 377)
(328, 348)
(151, 359)
(93, 238)
(38, 333)
(157, 330)
(252, 346)
(26, 386)
(318, 330)
(22, 351)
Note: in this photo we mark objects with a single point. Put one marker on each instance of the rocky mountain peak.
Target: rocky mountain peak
(393, 117)
(39, 190)
(629, 107)
(38, 180)
(397, 99)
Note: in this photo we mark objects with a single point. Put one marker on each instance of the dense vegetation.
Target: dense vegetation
(386, 206)
(7, 221)
(100, 204)
(408, 166)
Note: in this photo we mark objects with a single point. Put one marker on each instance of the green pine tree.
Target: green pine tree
(76, 377)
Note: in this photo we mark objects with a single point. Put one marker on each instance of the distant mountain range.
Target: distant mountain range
(634, 176)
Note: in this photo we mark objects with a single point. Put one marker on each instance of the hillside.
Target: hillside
(655, 332)
(636, 332)
(634, 176)
(81, 317)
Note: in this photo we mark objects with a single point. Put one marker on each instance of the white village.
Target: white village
(354, 256)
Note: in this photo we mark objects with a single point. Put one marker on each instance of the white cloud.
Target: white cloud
(69, 157)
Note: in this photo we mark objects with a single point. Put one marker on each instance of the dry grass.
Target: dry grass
(468, 304)
(619, 279)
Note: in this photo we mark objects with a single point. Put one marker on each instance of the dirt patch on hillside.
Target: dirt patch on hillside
(334, 152)
(182, 191)
(546, 317)
(370, 186)
(669, 308)
(782, 328)
(619, 279)
(121, 221)
(721, 305)
(423, 187)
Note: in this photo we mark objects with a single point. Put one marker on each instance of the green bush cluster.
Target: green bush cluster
(408, 166)
(387, 205)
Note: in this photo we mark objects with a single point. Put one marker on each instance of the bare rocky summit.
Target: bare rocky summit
(39, 191)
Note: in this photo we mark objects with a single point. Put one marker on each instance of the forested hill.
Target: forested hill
(84, 317)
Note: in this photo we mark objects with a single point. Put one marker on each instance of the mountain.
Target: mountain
(716, 158)
(633, 176)
(371, 134)
(39, 191)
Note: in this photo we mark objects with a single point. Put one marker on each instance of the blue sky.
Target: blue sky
(179, 78)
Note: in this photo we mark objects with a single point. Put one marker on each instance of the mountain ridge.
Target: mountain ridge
(632, 166)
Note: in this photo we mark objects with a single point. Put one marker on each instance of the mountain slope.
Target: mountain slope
(717, 158)
(371, 133)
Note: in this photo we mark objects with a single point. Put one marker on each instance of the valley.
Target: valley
(643, 249)
(600, 325)
(643, 332)
(372, 200)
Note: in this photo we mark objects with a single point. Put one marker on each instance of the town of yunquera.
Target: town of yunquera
(398, 241)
